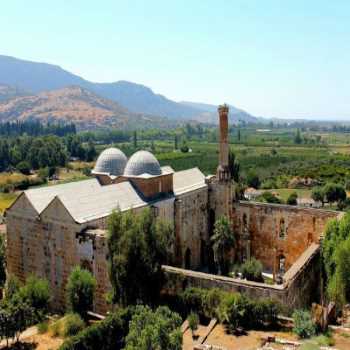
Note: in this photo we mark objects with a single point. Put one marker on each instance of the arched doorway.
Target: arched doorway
(188, 259)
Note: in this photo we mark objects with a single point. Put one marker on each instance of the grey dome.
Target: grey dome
(142, 162)
(111, 161)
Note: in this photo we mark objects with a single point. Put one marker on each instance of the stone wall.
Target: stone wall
(298, 291)
(191, 228)
(270, 232)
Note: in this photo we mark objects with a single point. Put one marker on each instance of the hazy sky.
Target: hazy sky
(282, 58)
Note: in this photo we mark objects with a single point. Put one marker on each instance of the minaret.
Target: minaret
(223, 171)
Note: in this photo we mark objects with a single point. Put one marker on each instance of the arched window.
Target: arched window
(282, 232)
(281, 264)
(245, 223)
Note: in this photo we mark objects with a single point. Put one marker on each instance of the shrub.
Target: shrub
(12, 286)
(304, 327)
(23, 167)
(252, 270)
(72, 325)
(292, 199)
(36, 293)
(235, 311)
(193, 321)
(108, 334)
(43, 327)
(80, 291)
(193, 299)
(159, 329)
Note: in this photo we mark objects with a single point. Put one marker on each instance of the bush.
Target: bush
(80, 291)
(108, 334)
(12, 286)
(36, 293)
(72, 325)
(43, 327)
(292, 199)
(252, 270)
(193, 321)
(23, 167)
(304, 327)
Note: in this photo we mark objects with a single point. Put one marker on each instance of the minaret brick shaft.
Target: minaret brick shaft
(223, 171)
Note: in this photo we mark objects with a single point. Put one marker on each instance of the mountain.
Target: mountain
(209, 113)
(7, 92)
(75, 104)
(38, 77)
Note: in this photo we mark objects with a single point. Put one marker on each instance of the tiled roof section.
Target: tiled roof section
(41, 197)
(87, 200)
(188, 180)
(86, 207)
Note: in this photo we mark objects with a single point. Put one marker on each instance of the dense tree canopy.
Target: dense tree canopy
(138, 246)
(159, 329)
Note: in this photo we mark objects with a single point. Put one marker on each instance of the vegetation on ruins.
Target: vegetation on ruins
(252, 269)
(232, 309)
(159, 329)
(304, 327)
(336, 259)
(81, 287)
(193, 321)
(223, 241)
(138, 245)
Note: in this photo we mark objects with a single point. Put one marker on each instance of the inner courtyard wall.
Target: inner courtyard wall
(271, 231)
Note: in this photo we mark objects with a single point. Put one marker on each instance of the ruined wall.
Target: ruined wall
(273, 231)
(191, 228)
(298, 291)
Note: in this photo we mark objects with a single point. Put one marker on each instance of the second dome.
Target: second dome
(142, 162)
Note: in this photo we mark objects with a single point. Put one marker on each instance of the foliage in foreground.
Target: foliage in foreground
(233, 309)
(138, 246)
(80, 291)
(131, 328)
(336, 259)
(22, 306)
(304, 327)
(159, 329)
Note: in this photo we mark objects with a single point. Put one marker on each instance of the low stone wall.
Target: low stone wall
(300, 287)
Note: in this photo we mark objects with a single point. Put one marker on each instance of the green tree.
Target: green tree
(193, 321)
(304, 327)
(334, 192)
(253, 179)
(135, 139)
(158, 329)
(268, 197)
(252, 270)
(138, 246)
(176, 142)
(223, 240)
(297, 138)
(292, 199)
(23, 167)
(80, 291)
(239, 135)
(90, 153)
(317, 195)
(233, 166)
(36, 293)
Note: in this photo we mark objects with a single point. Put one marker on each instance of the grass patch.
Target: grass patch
(6, 199)
(43, 327)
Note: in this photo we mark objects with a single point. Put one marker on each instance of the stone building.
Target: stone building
(52, 229)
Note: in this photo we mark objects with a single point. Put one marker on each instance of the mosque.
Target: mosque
(52, 229)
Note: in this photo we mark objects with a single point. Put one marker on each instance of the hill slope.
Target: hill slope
(39, 77)
(75, 104)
